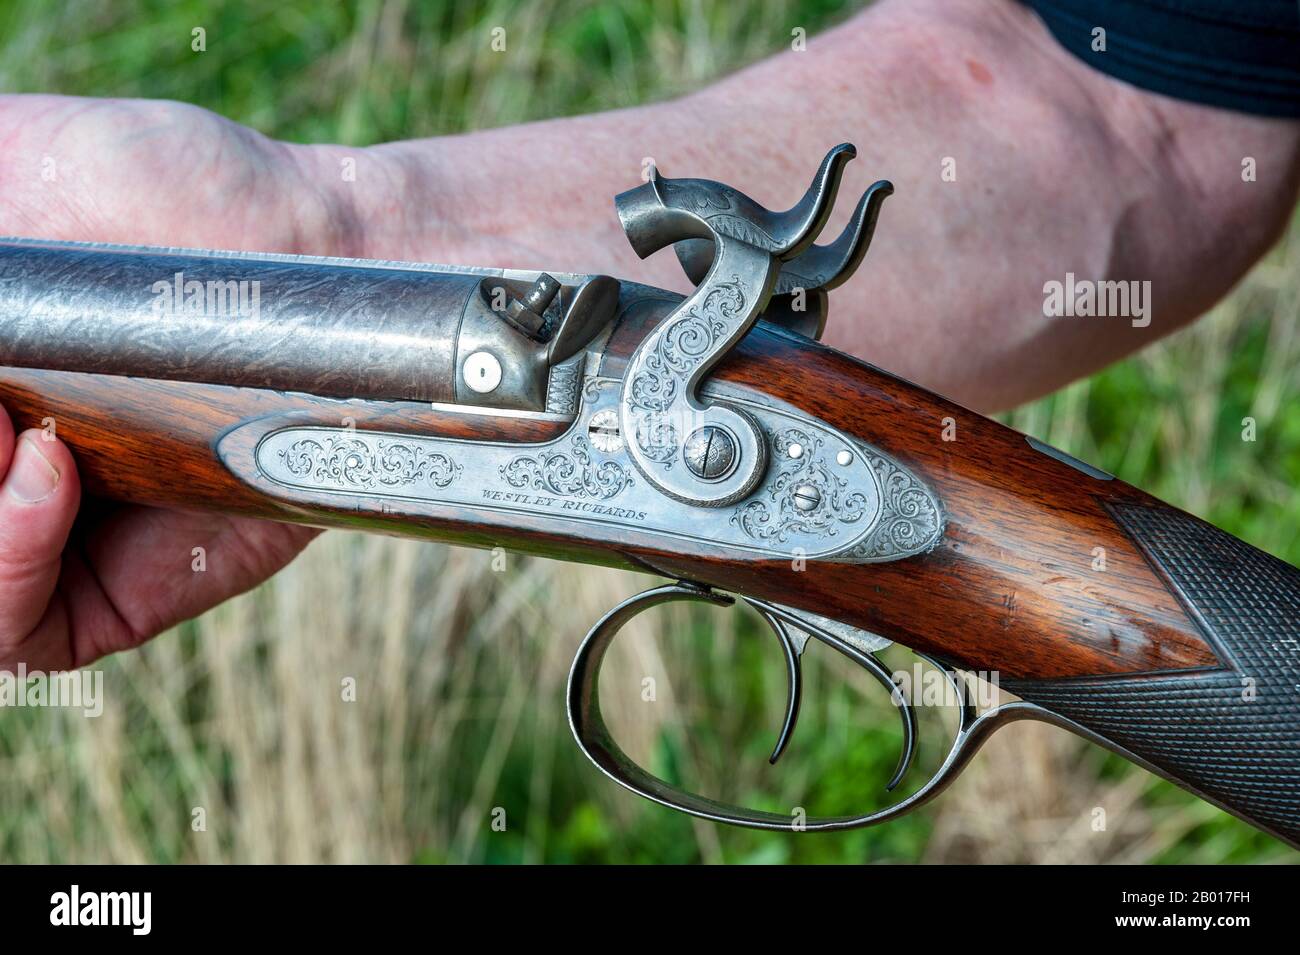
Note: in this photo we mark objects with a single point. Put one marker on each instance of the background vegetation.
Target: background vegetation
(460, 669)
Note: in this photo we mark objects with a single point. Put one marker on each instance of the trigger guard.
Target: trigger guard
(598, 745)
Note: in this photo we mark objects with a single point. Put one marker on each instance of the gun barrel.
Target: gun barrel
(330, 327)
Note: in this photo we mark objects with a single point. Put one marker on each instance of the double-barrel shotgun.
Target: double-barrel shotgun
(709, 439)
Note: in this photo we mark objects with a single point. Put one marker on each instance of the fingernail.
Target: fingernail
(31, 477)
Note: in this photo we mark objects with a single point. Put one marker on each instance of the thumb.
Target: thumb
(39, 494)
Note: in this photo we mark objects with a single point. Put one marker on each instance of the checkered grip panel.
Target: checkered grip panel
(1233, 734)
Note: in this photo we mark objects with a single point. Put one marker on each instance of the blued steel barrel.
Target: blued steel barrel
(332, 327)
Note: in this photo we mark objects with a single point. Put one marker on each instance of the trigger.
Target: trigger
(792, 647)
(859, 645)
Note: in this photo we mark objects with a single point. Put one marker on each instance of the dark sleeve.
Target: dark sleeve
(1237, 54)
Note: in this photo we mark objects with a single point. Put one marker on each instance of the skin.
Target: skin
(1058, 168)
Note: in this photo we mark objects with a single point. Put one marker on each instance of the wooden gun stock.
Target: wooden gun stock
(1170, 640)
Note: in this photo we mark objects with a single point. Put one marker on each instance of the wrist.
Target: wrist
(334, 200)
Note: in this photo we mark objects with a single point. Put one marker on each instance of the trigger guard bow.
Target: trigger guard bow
(598, 745)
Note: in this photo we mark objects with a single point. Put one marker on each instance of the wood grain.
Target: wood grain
(1010, 589)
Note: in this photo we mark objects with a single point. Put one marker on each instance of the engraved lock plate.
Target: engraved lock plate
(835, 498)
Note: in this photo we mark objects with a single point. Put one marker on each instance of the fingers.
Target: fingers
(147, 569)
(39, 495)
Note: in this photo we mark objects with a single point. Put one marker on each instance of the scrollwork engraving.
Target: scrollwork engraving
(910, 520)
(358, 462)
(661, 380)
(781, 510)
(568, 474)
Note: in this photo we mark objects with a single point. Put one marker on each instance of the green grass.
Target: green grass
(460, 670)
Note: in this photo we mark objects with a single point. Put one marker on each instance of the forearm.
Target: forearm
(1057, 169)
